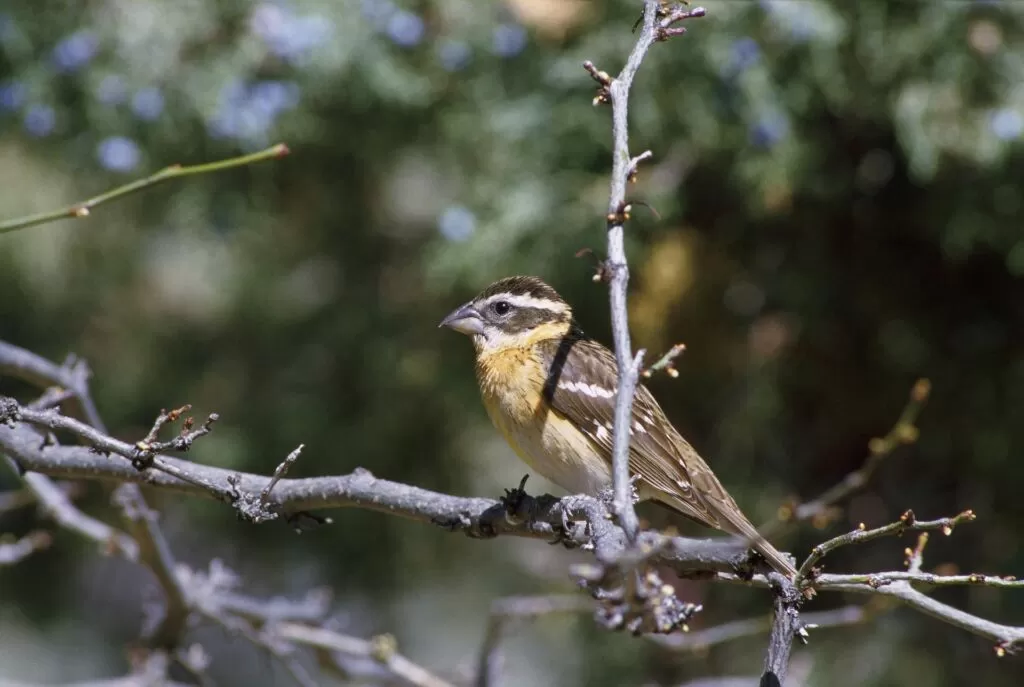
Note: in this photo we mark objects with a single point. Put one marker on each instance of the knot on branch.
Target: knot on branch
(9, 411)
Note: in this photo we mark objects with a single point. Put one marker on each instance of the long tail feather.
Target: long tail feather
(732, 520)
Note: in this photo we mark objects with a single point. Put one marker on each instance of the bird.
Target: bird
(549, 389)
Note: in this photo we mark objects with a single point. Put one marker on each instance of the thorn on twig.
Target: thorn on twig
(604, 94)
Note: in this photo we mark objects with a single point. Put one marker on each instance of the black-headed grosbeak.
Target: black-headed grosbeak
(550, 391)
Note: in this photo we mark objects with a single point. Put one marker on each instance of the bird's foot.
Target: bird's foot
(517, 503)
(574, 530)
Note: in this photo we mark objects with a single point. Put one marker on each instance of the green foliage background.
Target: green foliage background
(838, 203)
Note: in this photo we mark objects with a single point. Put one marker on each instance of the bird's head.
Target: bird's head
(511, 313)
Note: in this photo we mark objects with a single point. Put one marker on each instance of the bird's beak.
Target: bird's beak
(465, 319)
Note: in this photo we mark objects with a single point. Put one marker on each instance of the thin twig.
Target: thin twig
(382, 649)
(51, 419)
(906, 523)
(17, 551)
(84, 208)
(666, 362)
(54, 502)
(279, 473)
(702, 640)
(903, 432)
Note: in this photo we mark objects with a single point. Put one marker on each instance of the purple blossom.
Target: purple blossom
(745, 53)
(12, 96)
(454, 55)
(378, 12)
(508, 40)
(39, 120)
(118, 154)
(456, 223)
(770, 129)
(1006, 123)
(289, 36)
(248, 112)
(75, 51)
(406, 29)
(148, 103)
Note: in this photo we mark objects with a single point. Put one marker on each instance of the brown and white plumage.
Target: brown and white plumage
(550, 391)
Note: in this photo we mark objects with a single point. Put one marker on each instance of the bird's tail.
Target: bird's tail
(731, 519)
(738, 524)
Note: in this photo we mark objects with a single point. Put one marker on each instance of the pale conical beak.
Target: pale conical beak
(465, 319)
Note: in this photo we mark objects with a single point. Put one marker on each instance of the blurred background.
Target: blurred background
(839, 211)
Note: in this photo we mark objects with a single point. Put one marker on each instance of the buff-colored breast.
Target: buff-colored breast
(511, 382)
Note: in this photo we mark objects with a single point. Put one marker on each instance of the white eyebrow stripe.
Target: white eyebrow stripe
(525, 301)
(592, 390)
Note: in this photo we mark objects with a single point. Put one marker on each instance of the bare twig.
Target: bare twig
(899, 585)
(822, 508)
(149, 447)
(906, 523)
(506, 610)
(55, 503)
(666, 362)
(22, 498)
(280, 472)
(702, 640)
(21, 549)
(382, 649)
(84, 208)
(140, 457)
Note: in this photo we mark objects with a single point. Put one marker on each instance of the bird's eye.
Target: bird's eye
(502, 308)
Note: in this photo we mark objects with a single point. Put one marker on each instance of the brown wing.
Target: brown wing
(581, 386)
